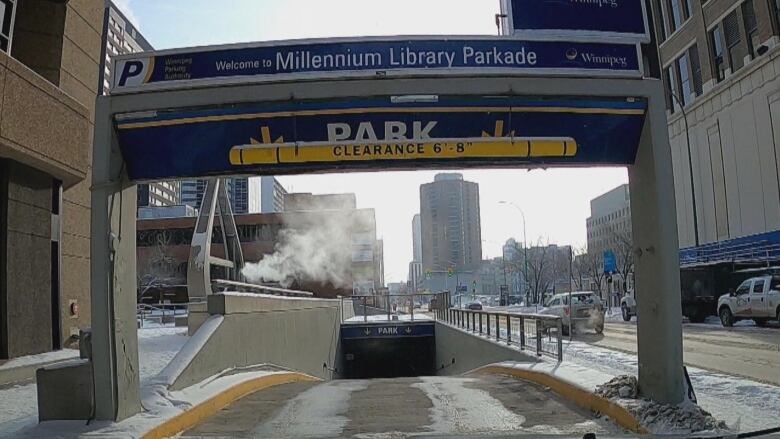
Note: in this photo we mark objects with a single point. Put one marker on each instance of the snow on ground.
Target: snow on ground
(19, 403)
(46, 357)
(742, 403)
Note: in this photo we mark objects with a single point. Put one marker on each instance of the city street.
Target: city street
(745, 351)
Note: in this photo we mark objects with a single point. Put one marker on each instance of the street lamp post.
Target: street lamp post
(525, 244)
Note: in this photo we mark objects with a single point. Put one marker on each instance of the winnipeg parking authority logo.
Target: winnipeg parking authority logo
(571, 54)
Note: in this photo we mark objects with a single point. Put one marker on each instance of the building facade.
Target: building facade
(301, 201)
(720, 62)
(163, 246)
(416, 238)
(450, 224)
(50, 58)
(244, 193)
(271, 195)
(609, 223)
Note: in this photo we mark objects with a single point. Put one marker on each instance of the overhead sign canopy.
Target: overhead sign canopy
(603, 20)
(388, 133)
(370, 57)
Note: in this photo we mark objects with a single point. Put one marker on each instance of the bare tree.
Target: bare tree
(593, 264)
(579, 272)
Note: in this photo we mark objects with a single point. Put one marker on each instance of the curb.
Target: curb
(573, 393)
(211, 406)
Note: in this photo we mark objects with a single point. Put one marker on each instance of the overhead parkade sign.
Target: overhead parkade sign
(378, 134)
(371, 57)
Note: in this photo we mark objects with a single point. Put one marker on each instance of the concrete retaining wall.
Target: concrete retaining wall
(458, 351)
(296, 333)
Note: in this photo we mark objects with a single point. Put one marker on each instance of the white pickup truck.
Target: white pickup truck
(757, 298)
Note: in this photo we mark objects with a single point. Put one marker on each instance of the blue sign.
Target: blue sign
(334, 136)
(610, 262)
(625, 19)
(373, 56)
(399, 330)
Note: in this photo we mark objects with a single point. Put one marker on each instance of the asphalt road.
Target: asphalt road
(745, 351)
(402, 407)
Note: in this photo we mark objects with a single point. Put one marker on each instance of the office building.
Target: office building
(416, 238)
(609, 224)
(244, 193)
(720, 62)
(450, 224)
(271, 195)
(50, 58)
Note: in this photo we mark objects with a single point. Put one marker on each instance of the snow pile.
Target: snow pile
(623, 386)
(659, 418)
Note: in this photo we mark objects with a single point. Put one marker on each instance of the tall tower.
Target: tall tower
(450, 223)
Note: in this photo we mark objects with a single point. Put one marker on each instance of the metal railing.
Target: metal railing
(393, 306)
(160, 314)
(758, 251)
(542, 334)
(221, 285)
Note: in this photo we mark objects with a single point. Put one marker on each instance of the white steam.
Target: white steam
(313, 246)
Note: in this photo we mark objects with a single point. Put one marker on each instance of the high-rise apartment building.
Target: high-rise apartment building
(450, 224)
(121, 38)
(416, 238)
(720, 61)
(50, 58)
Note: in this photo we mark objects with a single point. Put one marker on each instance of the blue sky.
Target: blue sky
(556, 201)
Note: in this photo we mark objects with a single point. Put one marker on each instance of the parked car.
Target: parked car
(586, 308)
(757, 298)
(628, 306)
(474, 306)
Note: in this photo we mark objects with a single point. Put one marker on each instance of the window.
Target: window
(716, 52)
(662, 28)
(685, 79)
(744, 288)
(731, 35)
(693, 56)
(775, 285)
(751, 27)
(671, 87)
(675, 14)
(6, 23)
(758, 286)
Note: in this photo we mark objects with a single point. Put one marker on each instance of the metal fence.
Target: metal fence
(539, 333)
(393, 306)
(160, 314)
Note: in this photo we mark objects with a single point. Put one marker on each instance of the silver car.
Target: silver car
(587, 310)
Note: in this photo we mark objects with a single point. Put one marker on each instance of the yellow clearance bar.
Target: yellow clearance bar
(330, 152)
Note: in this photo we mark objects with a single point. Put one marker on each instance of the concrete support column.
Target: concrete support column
(113, 277)
(657, 267)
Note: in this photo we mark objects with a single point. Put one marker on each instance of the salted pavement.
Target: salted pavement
(401, 407)
(744, 351)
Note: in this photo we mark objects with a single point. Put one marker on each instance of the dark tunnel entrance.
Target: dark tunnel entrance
(388, 350)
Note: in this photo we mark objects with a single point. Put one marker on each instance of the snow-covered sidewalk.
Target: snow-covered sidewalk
(742, 403)
(19, 403)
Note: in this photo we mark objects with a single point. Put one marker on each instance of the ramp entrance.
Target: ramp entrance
(388, 349)
(464, 406)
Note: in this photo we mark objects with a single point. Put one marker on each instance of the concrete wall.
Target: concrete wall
(299, 334)
(470, 351)
(25, 283)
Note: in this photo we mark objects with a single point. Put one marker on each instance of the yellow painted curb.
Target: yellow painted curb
(575, 394)
(198, 413)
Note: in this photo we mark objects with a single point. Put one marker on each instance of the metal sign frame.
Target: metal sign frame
(118, 62)
(113, 214)
(575, 35)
